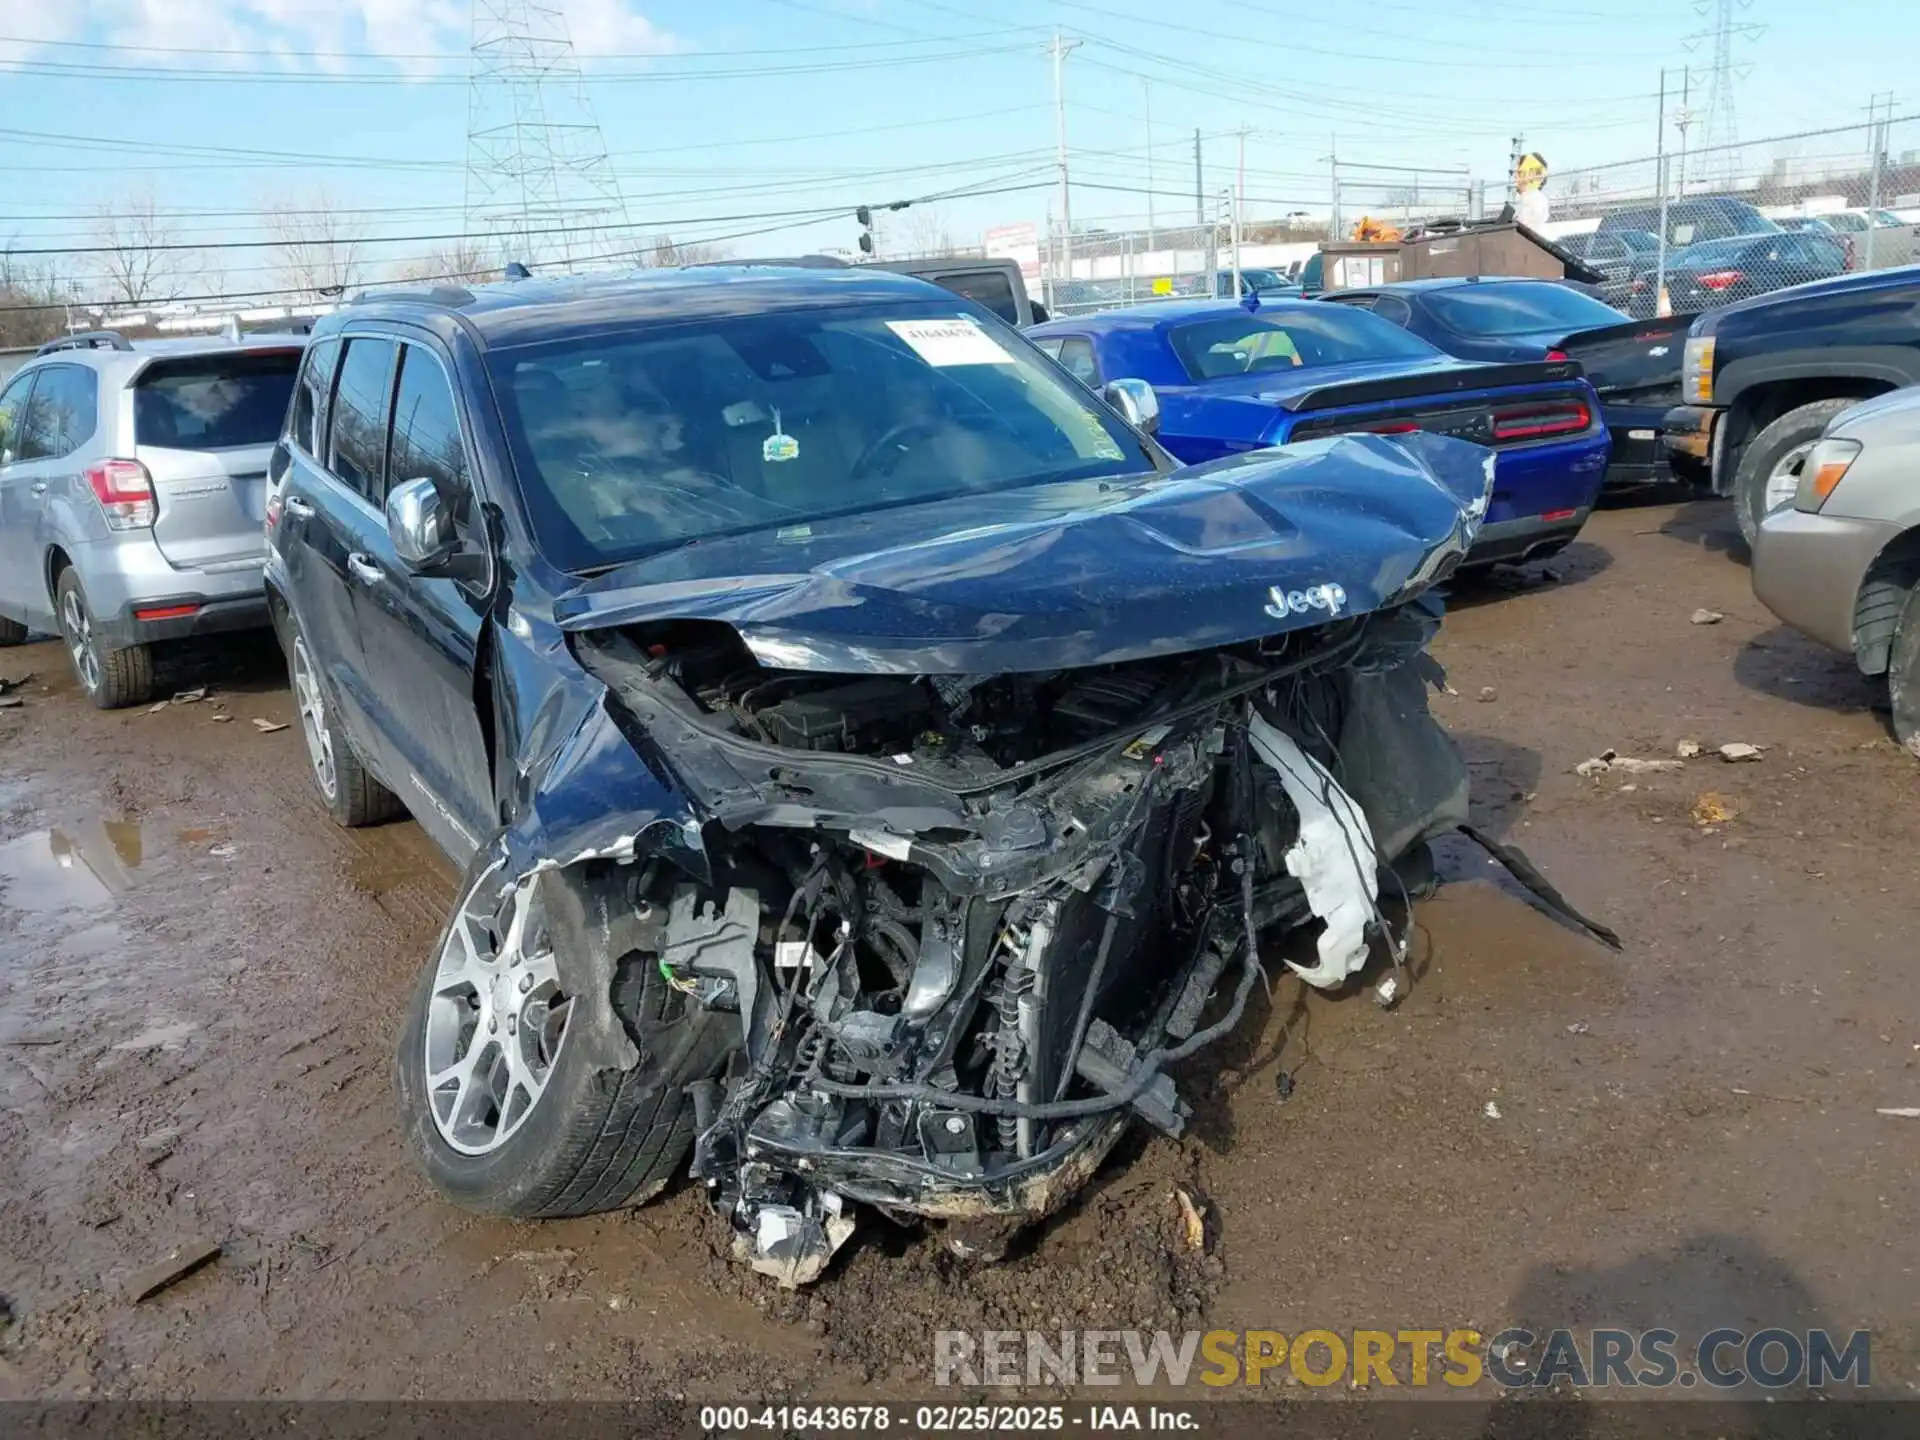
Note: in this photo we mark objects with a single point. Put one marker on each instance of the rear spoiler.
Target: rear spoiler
(1661, 327)
(1412, 387)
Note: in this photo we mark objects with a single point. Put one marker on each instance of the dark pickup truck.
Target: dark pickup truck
(1760, 380)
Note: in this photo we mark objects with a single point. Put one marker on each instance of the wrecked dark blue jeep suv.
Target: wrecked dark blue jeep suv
(874, 761)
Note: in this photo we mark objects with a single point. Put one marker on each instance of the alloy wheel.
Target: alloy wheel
(78, 626)
(496, 1018)
(313, 719)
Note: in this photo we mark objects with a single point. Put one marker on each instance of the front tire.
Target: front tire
(1903, 674)
(112, 678)
(1769, 472)
(506, 1095)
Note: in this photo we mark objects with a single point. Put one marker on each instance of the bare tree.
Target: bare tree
(926, 232)
(141, 264)
(31, 304)
(317, 244)
(459, 260)
(666, 253)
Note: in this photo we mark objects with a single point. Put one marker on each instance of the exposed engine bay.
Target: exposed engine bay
(968, 923)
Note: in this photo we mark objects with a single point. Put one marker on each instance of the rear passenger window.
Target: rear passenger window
(426, 427)
(309, 397)
(986, 287)
(63, 409)
(1077, 356)
(1392, 307)
(357, 420)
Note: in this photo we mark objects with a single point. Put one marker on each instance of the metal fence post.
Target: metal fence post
(1877, 143)
(1660, 179)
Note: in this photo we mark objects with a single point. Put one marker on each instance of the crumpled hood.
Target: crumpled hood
(1078, 573)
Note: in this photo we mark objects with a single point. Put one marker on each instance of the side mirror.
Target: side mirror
(420, 526)
(1136, 402)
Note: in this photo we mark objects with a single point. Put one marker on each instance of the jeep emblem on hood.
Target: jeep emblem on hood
(1282, 603)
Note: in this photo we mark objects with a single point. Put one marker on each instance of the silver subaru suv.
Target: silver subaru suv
(133, 479)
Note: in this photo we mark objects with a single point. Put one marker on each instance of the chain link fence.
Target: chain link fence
(1692, 230)
(1672, 233)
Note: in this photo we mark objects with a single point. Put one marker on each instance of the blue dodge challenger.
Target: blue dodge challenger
(1233, 377)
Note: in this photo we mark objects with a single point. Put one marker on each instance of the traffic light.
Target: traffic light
(864, 215)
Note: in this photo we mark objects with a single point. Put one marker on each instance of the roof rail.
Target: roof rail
(437, 295)
(802, 262)
(87, 340)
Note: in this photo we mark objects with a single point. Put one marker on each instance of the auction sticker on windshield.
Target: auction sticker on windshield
(950, 342)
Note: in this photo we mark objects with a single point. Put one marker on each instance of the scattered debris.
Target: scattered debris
(1738, 751)
(11, 702)
(1687, 749)
(1193, 1221)
(1707, 617)
(1579, 1027)
(1447, 689)
(179, 1264)
(225, 850)
(222, 718)
(1387, 993)
(1900, 1112)
(1488, 693)
(158, 706)
(1711, 808)
(267, 727)
(1492, 1112)
(1283, 1084)
(7, 687)
(191, 697)
(161, 1139)
(1608, 760)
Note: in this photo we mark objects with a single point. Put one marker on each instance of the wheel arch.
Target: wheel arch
(52, 564)
(1883, 592)
(1766, 396)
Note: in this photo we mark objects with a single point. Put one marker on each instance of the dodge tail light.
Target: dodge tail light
(1721, 279)
(1537, 422)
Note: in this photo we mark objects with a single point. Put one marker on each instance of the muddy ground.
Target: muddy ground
(201, 979)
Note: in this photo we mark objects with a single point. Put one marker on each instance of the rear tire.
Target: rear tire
(112, 679)
(1903, 674)
(352, 795)
(1773, 457)
(573, 1134)
(12, 632)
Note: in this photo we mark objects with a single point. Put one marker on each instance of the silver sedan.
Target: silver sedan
(1842, 562)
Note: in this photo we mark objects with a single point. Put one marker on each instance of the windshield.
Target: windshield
(1261, 280)
(1289, 338)
(1518, 309)
(626, 444)
(1638, 240)
(1711, 252)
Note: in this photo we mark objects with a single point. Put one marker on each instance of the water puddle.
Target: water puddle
(72, 867)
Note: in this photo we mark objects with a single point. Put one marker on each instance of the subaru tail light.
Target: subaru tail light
(125, 492)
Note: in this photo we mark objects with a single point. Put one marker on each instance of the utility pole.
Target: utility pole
(1061, 48)
(1146, 103)
(1333, 169)
(1239, 204)
(1199, 193)
(1682, 121)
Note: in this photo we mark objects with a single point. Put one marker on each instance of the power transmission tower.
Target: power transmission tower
(537, 168)
(1720, 129)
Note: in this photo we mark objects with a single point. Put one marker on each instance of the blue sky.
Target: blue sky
(749, 107)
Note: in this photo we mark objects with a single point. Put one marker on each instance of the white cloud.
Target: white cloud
(295, 32)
